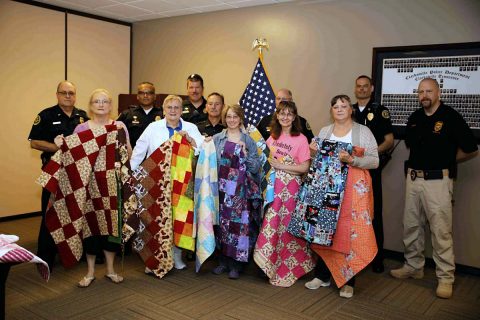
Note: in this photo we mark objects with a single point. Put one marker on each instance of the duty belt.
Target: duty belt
(427, 174)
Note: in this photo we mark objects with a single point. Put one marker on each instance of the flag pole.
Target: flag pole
(260, 44)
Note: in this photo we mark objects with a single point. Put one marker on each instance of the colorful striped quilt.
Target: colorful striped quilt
(206, 202)
(82, 179)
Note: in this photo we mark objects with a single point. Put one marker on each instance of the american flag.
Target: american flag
(258, 99)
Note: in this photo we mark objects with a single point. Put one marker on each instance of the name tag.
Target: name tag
(56, 122)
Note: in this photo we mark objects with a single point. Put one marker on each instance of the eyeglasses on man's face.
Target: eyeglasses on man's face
(66, 93)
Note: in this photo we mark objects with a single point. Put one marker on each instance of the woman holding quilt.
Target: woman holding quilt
(100, 108)
(156, 134)
(353, 245)
(283, 257)
(238, 164)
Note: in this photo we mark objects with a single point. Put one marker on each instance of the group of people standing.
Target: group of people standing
(247, 230)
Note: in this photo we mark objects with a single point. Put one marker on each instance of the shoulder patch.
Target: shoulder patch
(37, 120)
(158, 118)
(81, 120)
(307, 125)
(386, 114)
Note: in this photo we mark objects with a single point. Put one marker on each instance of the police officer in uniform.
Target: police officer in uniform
(194, 108)
(137, 118)
(213, 124)
(264, 125)
(377, 118)
(438, 137)
(46, 135)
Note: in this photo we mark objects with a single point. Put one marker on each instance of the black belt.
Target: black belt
(427, 174)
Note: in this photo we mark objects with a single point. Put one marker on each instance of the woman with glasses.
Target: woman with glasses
(155, 135)
(238, 164)
(283, 257)
(353, 246)
(100, 107)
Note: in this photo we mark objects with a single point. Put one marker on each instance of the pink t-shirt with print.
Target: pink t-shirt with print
(295, 146)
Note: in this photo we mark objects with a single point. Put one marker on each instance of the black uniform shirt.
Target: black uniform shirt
(136, 120)
(264, 127)
(52, 122)
(376, 117)
(192, 114)
(209, 130)
(433, 140)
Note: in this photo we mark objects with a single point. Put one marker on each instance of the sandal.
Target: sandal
(85, 282)
(114, 277)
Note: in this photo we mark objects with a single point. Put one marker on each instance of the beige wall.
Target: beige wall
(32, 62)
(317, 49)
(98, 57)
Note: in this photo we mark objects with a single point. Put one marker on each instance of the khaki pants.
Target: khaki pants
(429, 200)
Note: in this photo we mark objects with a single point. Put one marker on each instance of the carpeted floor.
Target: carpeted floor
(187, 295)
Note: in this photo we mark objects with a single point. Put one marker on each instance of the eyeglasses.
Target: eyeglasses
(285, 115)
(176, 108)
(146, 93)
(101, 101)
(66, 93)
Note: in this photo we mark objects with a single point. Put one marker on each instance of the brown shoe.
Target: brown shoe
(406, 272)
(444, 290)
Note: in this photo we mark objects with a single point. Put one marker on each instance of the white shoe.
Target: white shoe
(177, 259)
(346, 291)
(316, 283)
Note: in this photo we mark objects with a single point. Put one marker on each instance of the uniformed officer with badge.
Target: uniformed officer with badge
(46, 135)
(264, 125)
(377, 118)
(137, 118)
(194, 108)
(438, 138)
(213, 124)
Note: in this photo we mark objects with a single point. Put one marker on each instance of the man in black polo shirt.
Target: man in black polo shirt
(438, 137)
(264, 125)
(213, 124)
(137, 118)
(377, 118)
(48, 129)
(194, 108)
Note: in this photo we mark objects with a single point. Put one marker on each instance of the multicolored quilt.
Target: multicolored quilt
(184, 228)
(363, 247)
(160, 198)
(320, 197)
(267, 173)
(82, 179)
(206, 202)
(234, 214)
(148, 210)
(12, 253)
(283, 257)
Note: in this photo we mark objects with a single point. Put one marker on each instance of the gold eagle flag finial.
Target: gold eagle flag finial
(260, 44)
